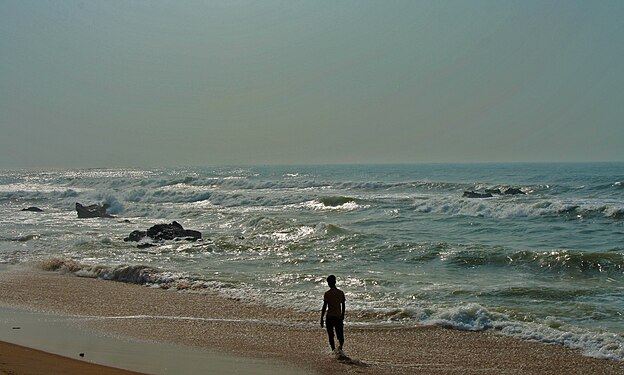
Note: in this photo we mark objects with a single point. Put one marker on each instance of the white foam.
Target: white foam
(593, 344)
(465, 317)
(318, 206)
(291, 236)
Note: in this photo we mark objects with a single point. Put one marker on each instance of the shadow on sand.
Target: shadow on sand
(343, 358)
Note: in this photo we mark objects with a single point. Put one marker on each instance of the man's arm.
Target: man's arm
(323, 312)
(343, 305)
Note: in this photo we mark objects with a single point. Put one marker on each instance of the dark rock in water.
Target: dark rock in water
(136, 236)
(493, 191)
(171, 231)
(32, 209)
(27, 238)
(190, 235)
(164, 232)
(513, 191)
(94, 210)
(474, 194)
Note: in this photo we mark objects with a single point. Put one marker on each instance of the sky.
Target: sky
(202, 83)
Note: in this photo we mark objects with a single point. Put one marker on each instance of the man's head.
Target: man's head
(331, 281)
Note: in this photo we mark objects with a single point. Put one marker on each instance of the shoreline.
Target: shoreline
(280, 338)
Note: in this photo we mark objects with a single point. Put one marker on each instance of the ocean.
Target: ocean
(405, 244)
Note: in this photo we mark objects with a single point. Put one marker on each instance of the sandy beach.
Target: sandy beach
(285, 340)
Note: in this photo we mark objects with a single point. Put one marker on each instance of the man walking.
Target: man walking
(334, 304)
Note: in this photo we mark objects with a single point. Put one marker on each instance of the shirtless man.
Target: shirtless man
(334, 304)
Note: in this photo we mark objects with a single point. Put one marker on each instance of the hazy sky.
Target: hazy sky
(173, 83)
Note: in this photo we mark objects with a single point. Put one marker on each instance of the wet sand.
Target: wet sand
(19, 360)
(283, 336)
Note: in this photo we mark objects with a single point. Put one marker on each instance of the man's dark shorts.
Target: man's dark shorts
(334, 322)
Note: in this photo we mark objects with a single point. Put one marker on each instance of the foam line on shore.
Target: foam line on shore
(279, 323)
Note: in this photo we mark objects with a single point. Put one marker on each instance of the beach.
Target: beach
(289, 340)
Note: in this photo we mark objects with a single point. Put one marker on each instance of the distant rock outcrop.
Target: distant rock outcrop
(94, 210)
(164, 232)
(32, 209)
(494, 191)
(474, 194)
(513, 191)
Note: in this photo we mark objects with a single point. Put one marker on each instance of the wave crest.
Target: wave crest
(130, 274)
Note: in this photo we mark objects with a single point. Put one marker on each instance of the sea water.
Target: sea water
(405, 244)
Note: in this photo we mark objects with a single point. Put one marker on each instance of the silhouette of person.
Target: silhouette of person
(334, 305)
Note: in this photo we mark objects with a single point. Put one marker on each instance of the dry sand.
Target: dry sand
(285, 336)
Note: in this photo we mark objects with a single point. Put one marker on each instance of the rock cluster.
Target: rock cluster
(489, 193)
(474, 194)
(164, 232)
(32, 209)
(94, 210)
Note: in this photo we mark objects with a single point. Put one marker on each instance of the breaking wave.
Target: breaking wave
(133, 274)
(516, 207)
(474, 317)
